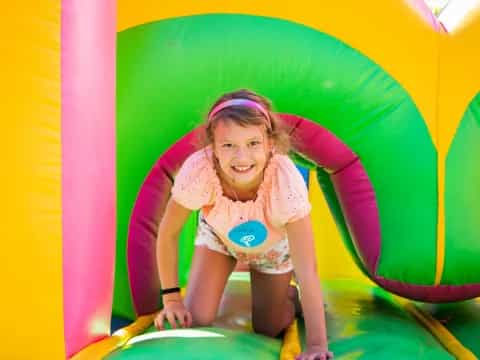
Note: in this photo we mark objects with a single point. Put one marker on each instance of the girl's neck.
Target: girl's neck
(242, 194)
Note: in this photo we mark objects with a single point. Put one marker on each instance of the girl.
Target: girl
(255, 210)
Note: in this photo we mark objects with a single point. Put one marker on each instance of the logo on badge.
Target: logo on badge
(248, 234)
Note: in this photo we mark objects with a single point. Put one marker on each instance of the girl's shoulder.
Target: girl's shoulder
(199, 159)
(288, 192)
(283, 161)
(284, 171)
(194, 184)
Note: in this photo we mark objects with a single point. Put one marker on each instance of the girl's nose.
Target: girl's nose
(241, 153)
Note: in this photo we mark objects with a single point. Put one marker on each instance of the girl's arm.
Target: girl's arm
(302, 249)
(169, 230)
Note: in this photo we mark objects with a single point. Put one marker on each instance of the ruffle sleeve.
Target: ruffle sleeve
(193, 186)
(289, 194)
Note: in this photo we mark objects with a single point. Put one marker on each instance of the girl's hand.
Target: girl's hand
(173, 311)
(315, 353)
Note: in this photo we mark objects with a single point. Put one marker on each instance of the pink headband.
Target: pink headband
(240, 102)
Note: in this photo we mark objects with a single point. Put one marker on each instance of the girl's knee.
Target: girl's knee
(201, 322)
(202, 319)
(272, 324)
(269, 329)
(265, 329)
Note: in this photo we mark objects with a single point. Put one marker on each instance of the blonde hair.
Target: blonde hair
(245, 116)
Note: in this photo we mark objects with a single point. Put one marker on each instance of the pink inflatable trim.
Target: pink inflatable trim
(88, 38)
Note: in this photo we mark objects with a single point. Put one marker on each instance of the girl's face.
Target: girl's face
(242, 153)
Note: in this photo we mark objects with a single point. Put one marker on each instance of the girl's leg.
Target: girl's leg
(273, 308)
(209, 273)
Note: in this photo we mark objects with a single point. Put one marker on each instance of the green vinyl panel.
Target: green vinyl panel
(462, 201)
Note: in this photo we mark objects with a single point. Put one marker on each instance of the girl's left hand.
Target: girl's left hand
(315, 353)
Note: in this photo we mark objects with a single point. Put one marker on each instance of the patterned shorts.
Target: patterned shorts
(275, 260)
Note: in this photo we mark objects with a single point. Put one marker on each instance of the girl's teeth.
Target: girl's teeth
(241, 168)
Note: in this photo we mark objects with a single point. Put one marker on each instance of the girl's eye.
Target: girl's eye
(227, 146)
(254, 143)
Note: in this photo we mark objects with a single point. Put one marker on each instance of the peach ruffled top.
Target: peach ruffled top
(281, 198)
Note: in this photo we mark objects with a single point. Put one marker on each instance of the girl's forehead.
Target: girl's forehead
(232, 131)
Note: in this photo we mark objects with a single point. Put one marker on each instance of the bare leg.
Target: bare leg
(272, 306)
(208, 276)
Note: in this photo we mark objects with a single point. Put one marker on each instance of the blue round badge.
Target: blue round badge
(248, 234)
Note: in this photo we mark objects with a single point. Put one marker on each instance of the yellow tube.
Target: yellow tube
(119, 338)
(445, 337)
(291, 343)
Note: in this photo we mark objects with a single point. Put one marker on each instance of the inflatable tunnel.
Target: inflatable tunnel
(103, 103)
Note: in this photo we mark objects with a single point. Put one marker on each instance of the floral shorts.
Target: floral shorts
(275, 260)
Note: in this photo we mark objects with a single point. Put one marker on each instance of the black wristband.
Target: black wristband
(170, 290)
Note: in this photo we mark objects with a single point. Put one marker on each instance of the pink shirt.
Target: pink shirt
(281, 198)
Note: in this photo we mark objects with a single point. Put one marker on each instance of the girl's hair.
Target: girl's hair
(245, 116)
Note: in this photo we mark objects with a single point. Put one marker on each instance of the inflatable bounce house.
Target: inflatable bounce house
(101, 102)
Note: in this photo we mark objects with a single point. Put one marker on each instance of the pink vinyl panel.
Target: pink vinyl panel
(88, 168)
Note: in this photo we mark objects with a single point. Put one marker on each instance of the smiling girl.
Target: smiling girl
(254, 209)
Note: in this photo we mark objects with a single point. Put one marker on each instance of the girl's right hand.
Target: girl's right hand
(173, 311)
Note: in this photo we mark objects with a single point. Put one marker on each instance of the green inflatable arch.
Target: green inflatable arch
(169, 72)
